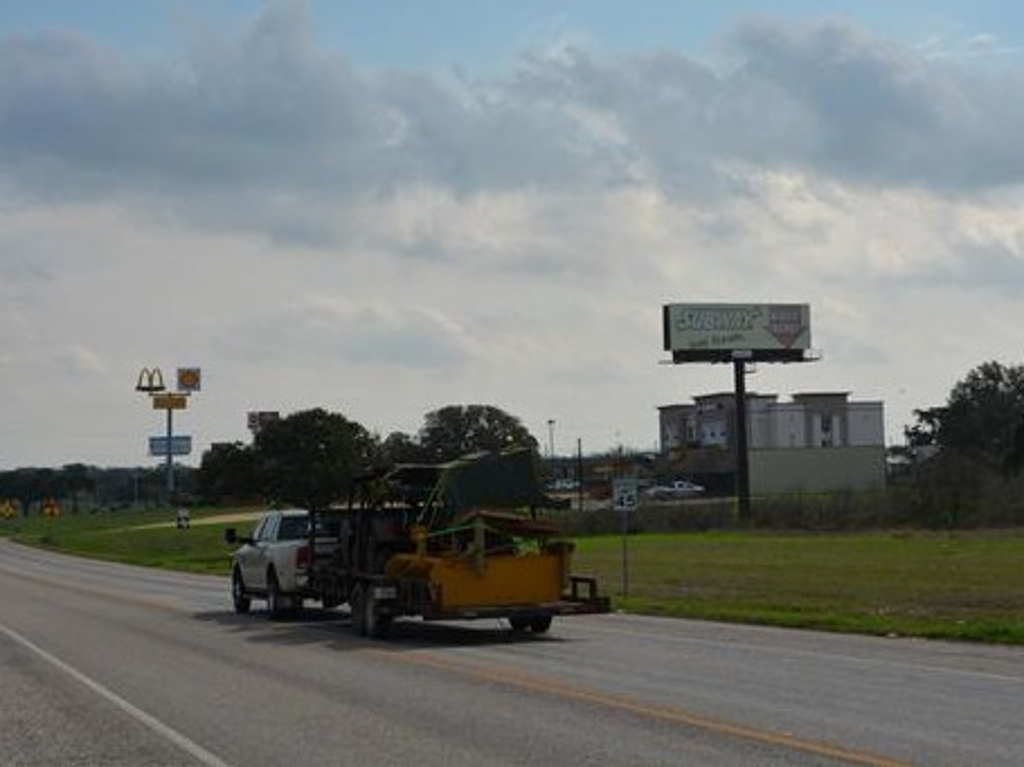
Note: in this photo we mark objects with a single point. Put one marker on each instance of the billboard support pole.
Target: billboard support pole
(742, 452)
(170, 456)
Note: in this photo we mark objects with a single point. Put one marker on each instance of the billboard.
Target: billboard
(726, 332)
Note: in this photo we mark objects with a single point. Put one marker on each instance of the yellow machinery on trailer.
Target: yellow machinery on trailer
(459, 540)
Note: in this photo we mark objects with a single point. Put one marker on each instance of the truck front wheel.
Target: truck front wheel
(239, 596)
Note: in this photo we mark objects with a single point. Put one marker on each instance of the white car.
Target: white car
(563, 485)
(682, 488)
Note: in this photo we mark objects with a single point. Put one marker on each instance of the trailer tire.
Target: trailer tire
(366, 620)
(382, 628)
(239, 596)
(540, 625)
(519, 624)
(357, 606)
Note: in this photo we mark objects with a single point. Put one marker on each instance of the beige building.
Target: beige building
(818, 441)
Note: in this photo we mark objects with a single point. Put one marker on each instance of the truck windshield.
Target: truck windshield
(293, 528)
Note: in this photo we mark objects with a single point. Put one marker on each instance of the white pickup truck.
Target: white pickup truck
(273, 563)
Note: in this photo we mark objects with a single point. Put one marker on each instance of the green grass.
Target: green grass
(131, 537)
(953, 586)
(966, 585)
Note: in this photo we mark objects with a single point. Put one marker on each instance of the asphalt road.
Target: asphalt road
(107, 664)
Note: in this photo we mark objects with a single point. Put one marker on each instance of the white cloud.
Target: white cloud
(386, 243)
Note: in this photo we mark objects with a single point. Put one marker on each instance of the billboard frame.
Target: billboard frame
(737, 332)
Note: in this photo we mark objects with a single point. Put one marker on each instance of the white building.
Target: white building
(818, 441)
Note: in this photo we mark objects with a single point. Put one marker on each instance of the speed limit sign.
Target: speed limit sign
(624, 491)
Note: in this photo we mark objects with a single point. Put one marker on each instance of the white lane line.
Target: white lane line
(193, 748)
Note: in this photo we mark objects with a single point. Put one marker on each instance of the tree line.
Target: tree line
(310, 458)
(962, 460)
(966, 456)
(307, 458)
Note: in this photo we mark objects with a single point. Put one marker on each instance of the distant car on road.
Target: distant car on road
(682, 488)
(563, 485)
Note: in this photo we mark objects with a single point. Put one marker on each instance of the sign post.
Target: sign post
(151, 382)
(624, 492)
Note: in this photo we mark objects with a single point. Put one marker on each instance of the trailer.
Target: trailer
(460, 540)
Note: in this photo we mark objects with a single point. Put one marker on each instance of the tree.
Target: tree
(399, 447)
(982, 414)
(228, 470)
(925, 432)
(311, 457)
(1015, 455)
(979, 439)
(456, 430)
(78, 478)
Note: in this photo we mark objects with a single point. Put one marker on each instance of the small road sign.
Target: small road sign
(177, 445)
(624, 492)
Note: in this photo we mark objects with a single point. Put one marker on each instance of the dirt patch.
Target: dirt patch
(241, 516)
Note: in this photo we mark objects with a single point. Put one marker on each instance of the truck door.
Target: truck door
(253, 558)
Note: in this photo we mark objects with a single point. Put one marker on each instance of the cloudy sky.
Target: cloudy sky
(385, 208)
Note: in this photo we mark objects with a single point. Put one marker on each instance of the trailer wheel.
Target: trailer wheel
(357, 605)
(519, 624)
(366, 620)
(382, 629)
(238, 594)
(540, 625)
(275, 601)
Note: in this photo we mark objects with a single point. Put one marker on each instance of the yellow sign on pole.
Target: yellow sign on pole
(190, 379)
(170, 401)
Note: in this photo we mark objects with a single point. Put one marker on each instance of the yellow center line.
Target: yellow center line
(515, 678)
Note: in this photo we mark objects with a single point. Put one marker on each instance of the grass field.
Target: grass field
(138, 537)
(954, 586)
(967, 585)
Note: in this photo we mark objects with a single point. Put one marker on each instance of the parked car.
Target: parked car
(682, 488)
(563, 485)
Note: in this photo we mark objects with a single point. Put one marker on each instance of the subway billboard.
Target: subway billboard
(726, 332)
